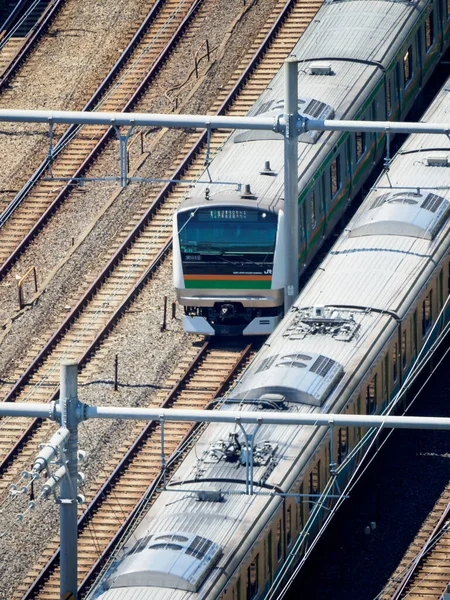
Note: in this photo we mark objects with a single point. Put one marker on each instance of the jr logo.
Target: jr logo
(268, 272)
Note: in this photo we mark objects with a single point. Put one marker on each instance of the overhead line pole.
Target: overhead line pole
(290, 209)
(69, 411)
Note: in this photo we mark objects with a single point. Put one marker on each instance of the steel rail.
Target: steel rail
(30, 42)
(121, 466)
(418, 560)
(134, 234)
(13, 15)
(72, 130)
(121, 252)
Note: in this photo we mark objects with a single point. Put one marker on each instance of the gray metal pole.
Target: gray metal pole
(291, 183)
(68, 490)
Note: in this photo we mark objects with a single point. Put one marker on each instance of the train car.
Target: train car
(224, 530)
(360, 59)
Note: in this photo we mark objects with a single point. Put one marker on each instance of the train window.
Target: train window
(314, 484)
(279, 547)
(288, 526)
(429, 31)
(269, 558)
(360, 144)
(385, 375)
(252, 578)
(238, 589)
(312, 208)
(441, 289)
(371, 396)
(395, 363)
(404, 348)
(448, 276)
(342, 443)
(448, 9)
(414, 334)
(265, 560)
(335, 175)
(407, 66)
(299, 518)
(427, 313)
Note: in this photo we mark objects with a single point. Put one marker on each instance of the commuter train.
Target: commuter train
(346, 346)
(359, 59)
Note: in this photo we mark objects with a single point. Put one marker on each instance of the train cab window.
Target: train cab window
(395, 363)
(429, 31)
(312, 209)
(252, 578)
(360, 144)
(407, 66)
(404, 349)
(342, 444)
(314, 485)
(371, 396)
(288, 526)
(279, 546)
(427, 313)
(335, 175)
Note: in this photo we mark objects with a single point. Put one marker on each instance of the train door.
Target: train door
(399, 87)
(349, 161)
(418, 57)
(323, 210)
(269, 558)
(303, 234)
(414, 336)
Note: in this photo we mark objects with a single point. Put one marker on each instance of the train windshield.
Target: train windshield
(227, 231)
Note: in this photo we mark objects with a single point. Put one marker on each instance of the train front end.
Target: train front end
(228, 266)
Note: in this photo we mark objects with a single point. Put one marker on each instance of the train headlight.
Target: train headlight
(264, 215)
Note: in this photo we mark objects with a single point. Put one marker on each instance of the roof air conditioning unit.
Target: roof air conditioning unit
(439, 160)
(320, 68)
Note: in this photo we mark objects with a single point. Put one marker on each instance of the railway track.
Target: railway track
(79, 146)
(424, 571)
(203, 376)
(26, 24)
(143, 246)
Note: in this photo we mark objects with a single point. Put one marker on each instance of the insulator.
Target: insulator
(32, 505)
(81, 499)
(49, 451)
(81, 455)
(80, 477)
(52, 483)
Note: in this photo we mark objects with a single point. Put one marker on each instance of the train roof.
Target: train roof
(358, 39)
(401, 230)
